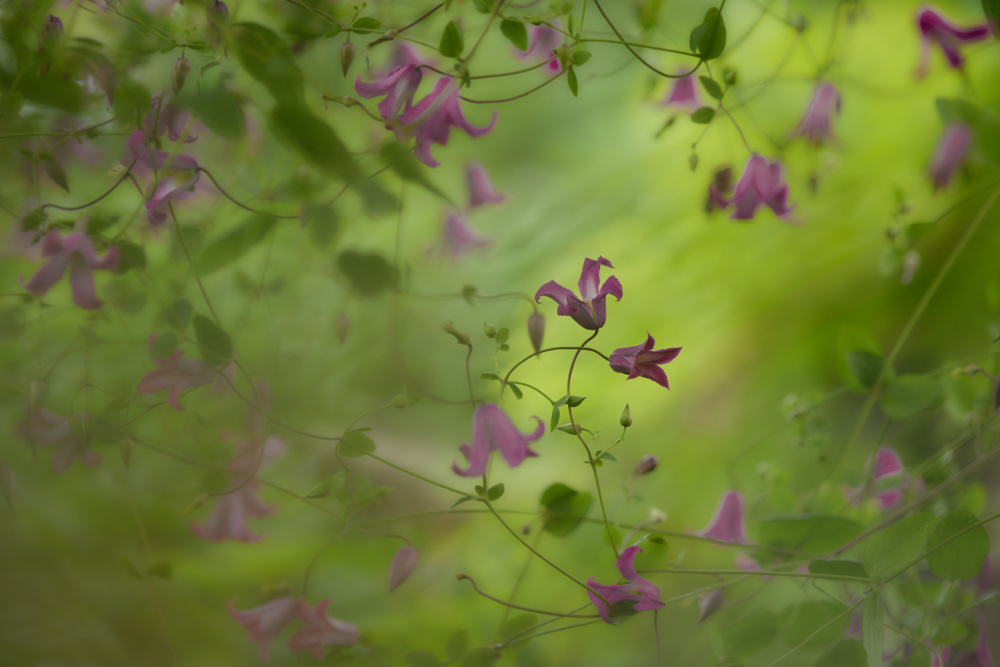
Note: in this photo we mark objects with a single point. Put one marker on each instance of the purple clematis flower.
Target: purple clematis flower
(431, 119)
(77, 252)
(935, 28)
(588, 310)
(683, 94)
(167, 118)
(266, 622)
(178, 175)
(644, 361)
(762, 184)
(951, 152)
(727, 524)
(459, 237)
(175, 374)
(481, 190)
(815, 125)
(398, 86)
(887, 463)
(493, 429)
(643, 594)
(321, 630)
(542, 44)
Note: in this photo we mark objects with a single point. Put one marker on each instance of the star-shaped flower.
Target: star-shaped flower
(624, 599)
(588, 310)
(644, 361)
(493, 429)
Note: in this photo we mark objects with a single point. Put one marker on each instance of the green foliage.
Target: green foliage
(711, 87)
(821, 622)
(314, 140)
(516, 33)
(750, 635)
(703, 116)
(843, 568)
(847, 653)
(958, 546)
(214, 343)
(268, 59)
(218, 108)
(563, 508)
(812, 533)
(871, 629)
(906, 395)
(890, 551)
(709, 38)
(368, 274)
(233, 244)
(452, 40)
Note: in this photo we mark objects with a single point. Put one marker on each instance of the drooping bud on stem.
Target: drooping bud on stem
(403, 565)
(181, 69)
(710, 603)
(647, 464)
(346, 56)
(536, 330)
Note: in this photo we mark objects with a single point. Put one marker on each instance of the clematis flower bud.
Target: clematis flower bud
(626, 418)
(647, 464)
(536, 330)
(181, 69)
(710, 603)
(346, 56)
(51, 34)
(403, 565)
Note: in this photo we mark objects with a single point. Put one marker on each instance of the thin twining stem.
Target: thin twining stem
(465, 577)
(550, 349)
(239, 203)
(645, 62)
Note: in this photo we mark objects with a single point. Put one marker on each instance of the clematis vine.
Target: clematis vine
(762, 184)
(951, 152)
(75, 251)
(175, 374)
(492, 430)
(815, 125)
(45, 428)
(643, 361)
(588, 310)
(624, 599)
(177, 176)
(934, 27)
(727, 524)
(231, 511)
(683, 94)
(542, 43)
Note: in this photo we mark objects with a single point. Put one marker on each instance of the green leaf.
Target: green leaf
(703, 116)
(563, 509)
(233, 244)
(314, 140)
(871, 629)
(130, 567)
(218, 109)
(709, 38)
(422, 659)
(268, 59)
(355, 444)
(848, 653)
(489, 376)
(131, 103)
(711, 87)
(906, 395)
(849, 340)
(843, 568)
(579, 57)
(554, 420)
(495, 492)
(408, 167)
(992, 10)
(574, 401)
(120, 294)
(178, 314)
(164, 345)
(130, 256)
(503, 335)
(321, 490)
(865, 367)
(813, 617)
(517, 625)
(56, 88)
(481, 656)
(367, 23)
(452, 40)
(516, 33)
(892, 549)
(963, 556)
(516, 391)
(368, 274)
(484, 7)
(750, 635)
(574, 87)
(162, 569)
(815, 533)
(56, 172)
(214, 343)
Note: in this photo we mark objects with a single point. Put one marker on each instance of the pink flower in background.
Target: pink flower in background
(684, 94)
(951, 152)
(403, 565)
(481, 190)
(588, 310)
(762, 184)
(459, 237)
(430, 121)
(231, 511)
(75, 251)
(398, 87)
(176, 374)
(47, 429)
(887, 463)
(644, 594)
(493, 429)
(935, 28)
(815, 125)
(266, 622)
(542, 43)
(167, 118)
(177, 176)
(727, 524)
(321, 630)
(644, 361)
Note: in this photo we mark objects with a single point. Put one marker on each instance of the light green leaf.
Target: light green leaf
(750, 635)
(233, 244)
(703, 116)
(452, 41)
(848, 653)
(963, 556)
(892, 549)
(355, 444)
(218, 109)
(369, 274)
(871, 629)
(516, 33)
(711, 87)
(803, 619)
(268, 59)
(563, 509)
(214, 343)
(314, 140)
(815, 533)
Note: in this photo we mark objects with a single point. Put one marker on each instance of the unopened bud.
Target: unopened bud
(709, 603)
(463, 339)
(526, 529)
(536, 330)
(346, 56)
(218, 13)
(51, 34)
(657, 516)
(647, 464)
(626, 418)
(181, 69)
(403, 565)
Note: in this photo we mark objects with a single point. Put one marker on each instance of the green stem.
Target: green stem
(418, 475)
(551, 349)
(465, 577)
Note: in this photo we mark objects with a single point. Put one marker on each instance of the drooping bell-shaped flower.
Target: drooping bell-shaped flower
(643, 361)
(175, 374)
(951, 152)
(321, 630)
(542, 43)
(481, 189)
(398, 87)
(45, 428)
(934, 27)
(815, 125)
(266, 622)
(430, 121)
(727, 523)
(588, 310)
(459, 237)
(75, 251)
(492, 430)
(684, 94)
(762, 184)
(624, 599)
(177, 176)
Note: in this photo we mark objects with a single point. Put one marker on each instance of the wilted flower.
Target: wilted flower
(815, 125)
(647, 464)
(542, 43)
(588, 310)
(727, 524)
(950, 154)
(403, 565)
(642, 594)
(77, 252)
(430, 121)
(480, 188)
(493, 429)
(321, 630)
(684, 94)
(264, 623)
(762, 184)
(458, 236)
(45, 428)
(176, 375)
(935, 28)
(643, 361)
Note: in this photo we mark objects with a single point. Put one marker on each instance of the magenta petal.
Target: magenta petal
(556, 292)
(48, 275)
(492, 430)
(481, 190)
(727, 524)
(81, 281)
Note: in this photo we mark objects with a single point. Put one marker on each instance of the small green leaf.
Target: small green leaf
(233, 244)
(574, 401)
(481, 656)
(871, 629)
(214, 343)
(564, 509)
(570, 428)
(495, 492)
(218, 109)
(821, 622)
(892, 549)
(368, 274)
(33, 220)
(267, 58)
(179, 314)
(463, 499)
(865, 367)
(516, 391)
(56, 172)
(355, 444)
(703, 116)
(130, 256)
(163, 346)
(711, 87)
(457, 645)
(489, 376)
(518, 625)
(321, 490)
(918, 230)
(516, 33)
(843, 568)
(963, 556)
(580, 57)
(574, 87)
(452, 40)
(709, 38)
(314, 140)
(162, 569)
(906, 395)
(816, 533)
(367, 23)
(484, 7)
(503, 335)
(554, 419)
